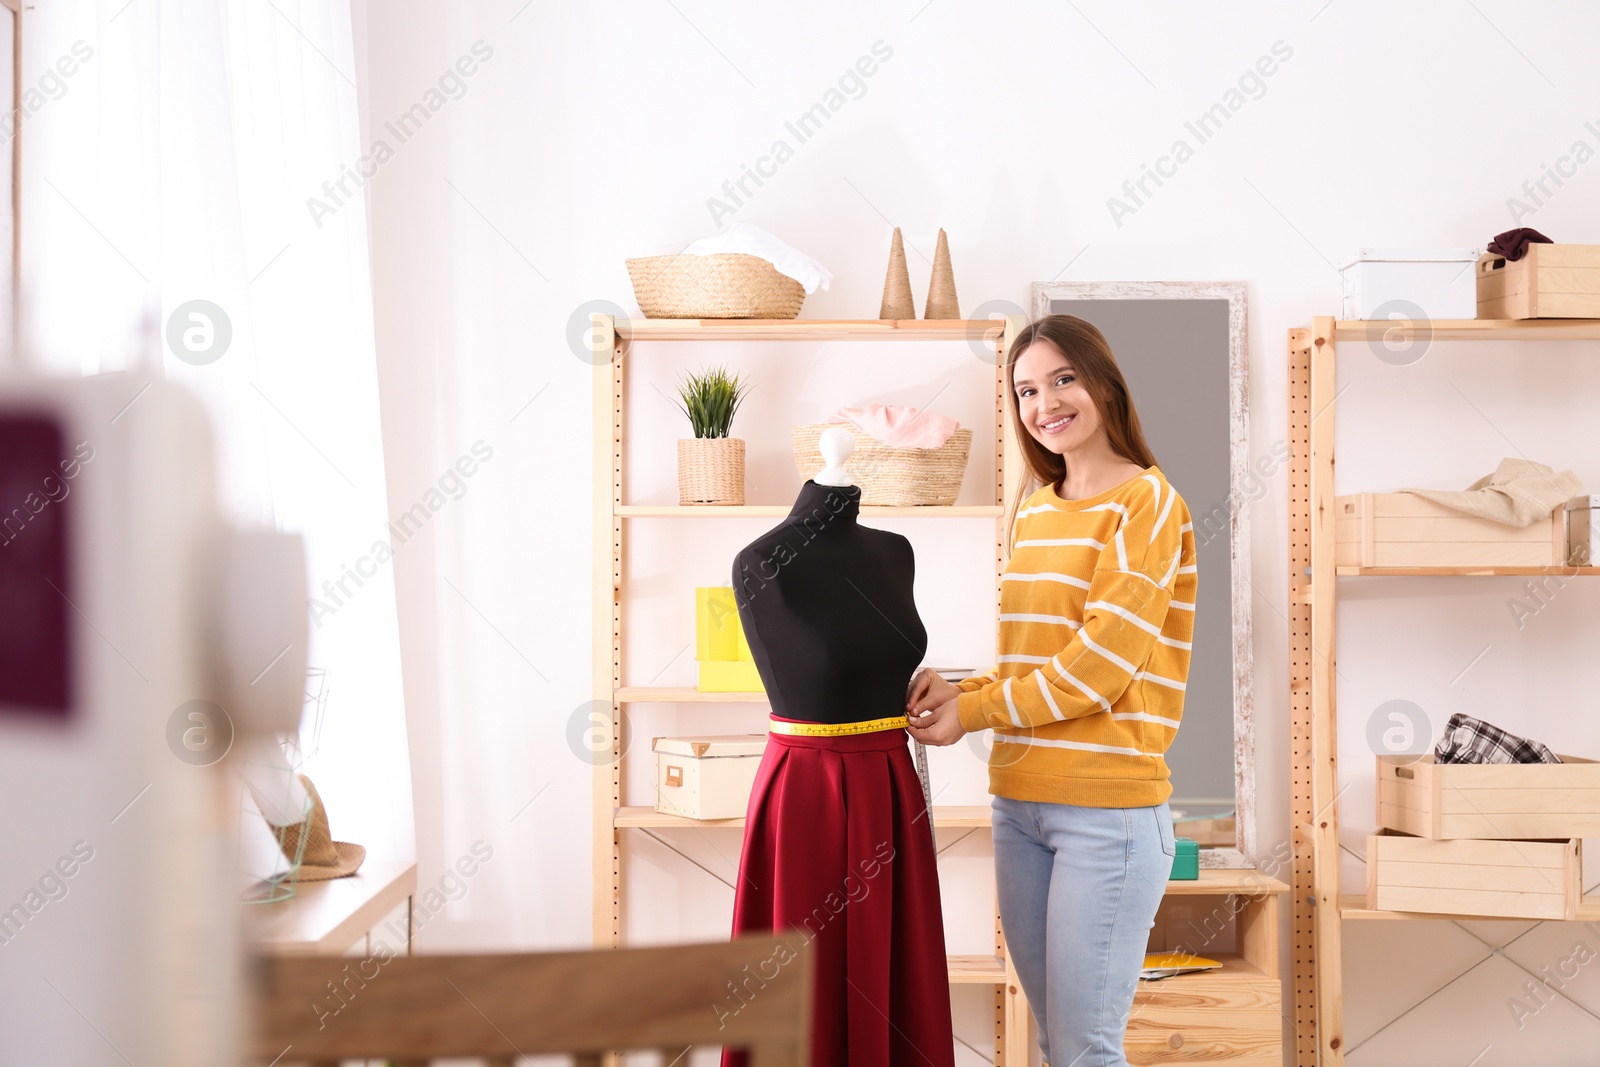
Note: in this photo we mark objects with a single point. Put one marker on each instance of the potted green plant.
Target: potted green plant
(711, 464)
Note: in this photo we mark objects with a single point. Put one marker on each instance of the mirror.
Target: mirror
(1181, 346)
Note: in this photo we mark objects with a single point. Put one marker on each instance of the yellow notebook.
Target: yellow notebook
(1166, 964)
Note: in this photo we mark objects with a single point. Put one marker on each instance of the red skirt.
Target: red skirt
(837, 844)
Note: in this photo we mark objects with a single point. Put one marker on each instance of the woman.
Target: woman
(1097, 615)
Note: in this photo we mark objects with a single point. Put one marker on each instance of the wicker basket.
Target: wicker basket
(710, 470)
(898, 477)
(728, 285)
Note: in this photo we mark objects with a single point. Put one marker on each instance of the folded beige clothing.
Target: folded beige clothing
(1520, 492)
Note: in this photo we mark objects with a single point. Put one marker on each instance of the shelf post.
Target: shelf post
(1012, 1015)
(1302, 912)
(1324, 823)
(606, 634)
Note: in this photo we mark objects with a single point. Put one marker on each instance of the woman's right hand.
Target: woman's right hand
(927, 691)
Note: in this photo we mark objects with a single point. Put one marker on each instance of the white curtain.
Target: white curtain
(190, 180)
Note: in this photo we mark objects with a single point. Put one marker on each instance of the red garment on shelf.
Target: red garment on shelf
(837, 844)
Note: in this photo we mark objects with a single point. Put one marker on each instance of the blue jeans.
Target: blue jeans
(1078, 889)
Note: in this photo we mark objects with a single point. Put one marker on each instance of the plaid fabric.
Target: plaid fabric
(1469, 740)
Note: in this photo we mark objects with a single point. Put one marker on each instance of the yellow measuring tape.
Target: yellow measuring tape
(837, 729)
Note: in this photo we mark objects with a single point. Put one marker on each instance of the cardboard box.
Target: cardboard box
(1552, 281)
(1407, 530)
(1419, 796)
(1505, 879)
(707, 777)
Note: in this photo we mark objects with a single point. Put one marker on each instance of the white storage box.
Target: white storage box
(1583, 539)
(707, 777)
(1443, 282)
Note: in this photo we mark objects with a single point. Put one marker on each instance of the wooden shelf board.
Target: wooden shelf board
(976, 970)
(1222, 880)
(1354, 906)
(1213, 881)
(1421, 572)
(949, 815)
(778, 511)
(808, 329)
(1472, 329)
(991, 971)
(677, 694)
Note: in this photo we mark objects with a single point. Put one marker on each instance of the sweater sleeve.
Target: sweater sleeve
(977, 681)
(1123, 614)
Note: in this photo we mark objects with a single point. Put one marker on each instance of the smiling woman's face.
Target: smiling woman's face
(1055, 407)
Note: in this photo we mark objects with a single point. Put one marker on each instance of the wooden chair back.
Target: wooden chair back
(752, 993)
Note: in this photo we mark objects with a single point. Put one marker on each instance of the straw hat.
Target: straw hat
(324, 857)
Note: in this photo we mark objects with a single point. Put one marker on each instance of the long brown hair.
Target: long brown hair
(1092, 361)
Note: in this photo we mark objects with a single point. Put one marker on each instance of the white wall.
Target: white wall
(598, 131)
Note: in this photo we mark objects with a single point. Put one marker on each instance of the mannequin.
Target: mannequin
(826, 604)
(835, 841)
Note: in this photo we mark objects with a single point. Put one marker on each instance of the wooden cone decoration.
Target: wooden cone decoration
(942, 302)
(897, 300)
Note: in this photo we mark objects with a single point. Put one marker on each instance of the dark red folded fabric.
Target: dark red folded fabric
(1513, 244)
(837, 846)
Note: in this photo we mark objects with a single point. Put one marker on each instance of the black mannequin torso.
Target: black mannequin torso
(827, 607)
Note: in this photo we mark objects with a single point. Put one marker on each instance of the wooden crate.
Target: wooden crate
(1489, 800)
(1406, 530)
(1232, 1015)
(1502, 879)
(1552, 281)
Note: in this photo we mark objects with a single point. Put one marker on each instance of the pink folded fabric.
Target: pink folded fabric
(898, 426)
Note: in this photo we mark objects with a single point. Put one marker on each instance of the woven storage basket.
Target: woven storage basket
(898, 477)
(710, 470)
(728, 285)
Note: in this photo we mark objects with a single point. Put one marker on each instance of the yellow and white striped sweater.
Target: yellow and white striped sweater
(1096, 624)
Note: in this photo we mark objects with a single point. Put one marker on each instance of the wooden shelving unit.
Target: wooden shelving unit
(613, 519)
(1175, 1014)
(1319, 907)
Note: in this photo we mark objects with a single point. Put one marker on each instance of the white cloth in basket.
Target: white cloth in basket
(898, 426)
(754, 241)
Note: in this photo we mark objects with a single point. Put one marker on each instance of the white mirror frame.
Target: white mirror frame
(1243, 854)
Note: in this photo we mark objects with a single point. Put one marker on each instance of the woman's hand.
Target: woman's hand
(928, 690)
(939, 726)
(931, 709)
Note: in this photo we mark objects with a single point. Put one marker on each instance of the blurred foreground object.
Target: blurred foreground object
(141, 637)
(752, 992)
